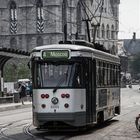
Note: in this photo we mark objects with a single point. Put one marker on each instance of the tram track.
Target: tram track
(3, 129)
(27, 131)
(24, 127)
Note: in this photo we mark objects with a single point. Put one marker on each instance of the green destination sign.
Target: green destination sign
(49, 54)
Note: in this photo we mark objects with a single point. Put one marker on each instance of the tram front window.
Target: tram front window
(58, 74)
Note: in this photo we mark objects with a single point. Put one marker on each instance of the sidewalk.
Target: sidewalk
(12, 106)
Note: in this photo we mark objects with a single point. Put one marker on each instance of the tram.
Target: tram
(74, 86)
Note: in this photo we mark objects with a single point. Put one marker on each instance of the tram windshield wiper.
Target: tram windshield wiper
(62, 79)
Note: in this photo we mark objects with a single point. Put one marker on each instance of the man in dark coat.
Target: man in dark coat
(22, 92)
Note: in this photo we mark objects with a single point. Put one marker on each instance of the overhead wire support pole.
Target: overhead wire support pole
(87, 22)
(88, 32)
(65, 32)
(98, 24)
(95, 26)
(95, 30)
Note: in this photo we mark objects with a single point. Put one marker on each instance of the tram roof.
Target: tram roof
(73, 47)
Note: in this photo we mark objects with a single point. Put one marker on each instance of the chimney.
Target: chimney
(134, 36)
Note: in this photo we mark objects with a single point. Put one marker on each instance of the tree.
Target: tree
(135, 66)
(16, 69)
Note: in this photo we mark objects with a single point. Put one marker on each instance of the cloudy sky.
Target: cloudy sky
(129, 18)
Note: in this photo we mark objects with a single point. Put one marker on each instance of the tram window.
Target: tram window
(105, 69)
(102, 74)
(107, 74)
(58, 74)
(98, 73)
(77, 79)
(111, 74)
(118, 75)
(115, 74)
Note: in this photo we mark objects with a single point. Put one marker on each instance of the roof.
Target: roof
(72, 47)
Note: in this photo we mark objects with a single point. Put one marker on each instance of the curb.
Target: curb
(6, 108)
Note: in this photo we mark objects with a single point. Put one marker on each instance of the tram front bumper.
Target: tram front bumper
(73, 119)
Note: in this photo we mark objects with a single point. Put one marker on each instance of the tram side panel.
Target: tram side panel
(108, 102)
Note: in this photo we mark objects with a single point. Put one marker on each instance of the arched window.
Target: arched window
(79, 18)
(107, 31)
(113, 49)
(98, 32)
(40, 16)
(39, 41)
(13, 43)
(103, 31)
(13, 17)
(64, 13)
(112, 32)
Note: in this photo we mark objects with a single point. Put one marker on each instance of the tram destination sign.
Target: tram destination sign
(60, 54)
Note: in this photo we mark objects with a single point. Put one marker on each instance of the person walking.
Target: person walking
(22, 92)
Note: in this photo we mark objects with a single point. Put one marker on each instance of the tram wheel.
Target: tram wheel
(100, 118)
(38, 128)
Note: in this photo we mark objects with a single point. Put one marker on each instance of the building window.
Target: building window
(13, 17)
(103, 31)
(107, 32)
(98, 32)
(13, 43)
(39, 41)
(79, 18)
(40, 16)
(112, 32)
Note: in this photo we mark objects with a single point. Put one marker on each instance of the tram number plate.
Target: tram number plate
(54, 106)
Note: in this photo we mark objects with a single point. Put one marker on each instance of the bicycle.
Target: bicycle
(137, 122)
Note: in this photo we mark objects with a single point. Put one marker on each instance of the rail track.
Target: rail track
(24, 128)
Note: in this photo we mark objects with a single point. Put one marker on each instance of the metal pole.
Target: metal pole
(65, 32)
(1, 83)
(88, 32)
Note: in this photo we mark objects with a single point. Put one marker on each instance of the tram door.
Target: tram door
(90, 76)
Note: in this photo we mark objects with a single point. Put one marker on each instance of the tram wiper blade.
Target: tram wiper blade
(60, 82)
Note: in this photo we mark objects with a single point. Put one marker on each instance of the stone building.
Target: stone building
(105, 19)
(25, 24)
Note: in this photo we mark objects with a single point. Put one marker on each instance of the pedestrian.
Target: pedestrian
(22, 92)
(30, 90)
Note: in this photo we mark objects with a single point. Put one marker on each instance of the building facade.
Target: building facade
(25, 24)
(105, 20)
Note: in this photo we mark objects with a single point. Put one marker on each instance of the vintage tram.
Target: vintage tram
(74, 86)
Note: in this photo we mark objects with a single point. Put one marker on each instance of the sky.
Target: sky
(129, 19)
